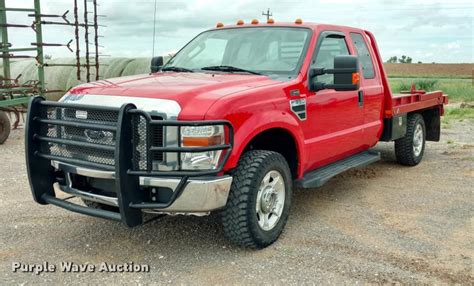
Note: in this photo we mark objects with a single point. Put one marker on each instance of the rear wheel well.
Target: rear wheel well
(277, 140)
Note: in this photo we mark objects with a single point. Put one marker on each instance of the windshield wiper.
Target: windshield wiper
(176, 69)
(228, 69)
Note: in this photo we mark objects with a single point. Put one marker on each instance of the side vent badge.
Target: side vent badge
(298, 106)
(295, 92)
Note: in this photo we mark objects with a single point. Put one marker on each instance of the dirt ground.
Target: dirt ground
(381, 224)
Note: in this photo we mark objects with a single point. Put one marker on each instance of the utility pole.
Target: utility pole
(268, 14)
(39, 40)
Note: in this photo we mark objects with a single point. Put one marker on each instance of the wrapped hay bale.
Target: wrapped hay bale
(137, 66)
(114, 67)
(56, 78)
(63, 79)
(27, 69)
(141, 66)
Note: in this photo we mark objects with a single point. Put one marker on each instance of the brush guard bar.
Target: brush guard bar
(131, 201)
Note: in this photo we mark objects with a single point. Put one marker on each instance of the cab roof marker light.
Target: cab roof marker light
(254, 22)
(219, 25)
(270, 21)
(240, 22)
(298, 21)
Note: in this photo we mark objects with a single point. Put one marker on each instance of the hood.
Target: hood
(194, 92)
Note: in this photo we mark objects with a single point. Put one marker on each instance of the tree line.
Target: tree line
(403, 60)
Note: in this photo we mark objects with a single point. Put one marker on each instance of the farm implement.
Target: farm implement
(15, 90)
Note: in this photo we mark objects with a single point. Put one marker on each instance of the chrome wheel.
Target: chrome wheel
(270, 200)
(418, 137)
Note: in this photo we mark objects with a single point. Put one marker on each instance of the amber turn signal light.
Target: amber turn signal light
(201, 141)
(355, 78)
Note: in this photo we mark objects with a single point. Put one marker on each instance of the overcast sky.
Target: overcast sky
(428, 31)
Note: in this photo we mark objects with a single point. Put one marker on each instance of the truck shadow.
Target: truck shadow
(181, 234)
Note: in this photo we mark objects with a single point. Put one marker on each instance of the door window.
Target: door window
(329, 49)
(364, 55)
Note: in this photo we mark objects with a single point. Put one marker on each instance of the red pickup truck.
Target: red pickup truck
(236, 120)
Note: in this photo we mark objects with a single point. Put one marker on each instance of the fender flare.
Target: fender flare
(259, 123)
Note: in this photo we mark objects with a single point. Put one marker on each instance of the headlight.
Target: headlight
(201, 136)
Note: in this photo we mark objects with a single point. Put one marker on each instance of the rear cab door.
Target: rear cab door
(371, 88)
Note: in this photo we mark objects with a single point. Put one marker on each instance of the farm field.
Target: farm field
(456, 80)
(430, 70)
(458, 89)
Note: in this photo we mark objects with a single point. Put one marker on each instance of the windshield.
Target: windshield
(265, 50)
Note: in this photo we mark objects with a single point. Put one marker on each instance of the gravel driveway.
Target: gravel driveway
(383, 223)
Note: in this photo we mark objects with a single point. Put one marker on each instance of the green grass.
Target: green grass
(459, 113)
(433, 76)
(459, 90)
(456, 114)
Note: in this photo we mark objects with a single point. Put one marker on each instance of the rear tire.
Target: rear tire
(259, 200)
(409, 149)
(5, 127)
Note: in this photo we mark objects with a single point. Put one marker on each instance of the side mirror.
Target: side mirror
(345, 71)
(156, 64)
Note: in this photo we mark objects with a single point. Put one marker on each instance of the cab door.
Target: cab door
(334, 118)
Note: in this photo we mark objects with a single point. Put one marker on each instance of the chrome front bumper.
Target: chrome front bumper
(199, 196)
(203, 195)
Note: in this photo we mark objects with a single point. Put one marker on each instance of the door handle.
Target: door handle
(361, 98)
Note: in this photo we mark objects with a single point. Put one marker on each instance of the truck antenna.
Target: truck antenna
(268, 14)
(154, 32)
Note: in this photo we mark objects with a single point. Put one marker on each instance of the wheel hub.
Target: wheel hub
(418, 140)
(270, 200)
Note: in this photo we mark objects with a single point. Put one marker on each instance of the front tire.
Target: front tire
(409, 149)
(259, 200)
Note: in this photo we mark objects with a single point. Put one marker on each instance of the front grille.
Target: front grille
(157, 139)
(79, 134)
(95, 145)
(106, 117)
(142, 145)
(80, 153)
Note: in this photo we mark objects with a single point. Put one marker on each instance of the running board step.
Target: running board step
(320, 176)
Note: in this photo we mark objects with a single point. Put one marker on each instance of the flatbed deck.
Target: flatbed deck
(409, 101)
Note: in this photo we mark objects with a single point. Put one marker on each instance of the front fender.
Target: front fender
(246, 129)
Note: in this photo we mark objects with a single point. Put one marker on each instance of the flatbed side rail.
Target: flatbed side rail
(409, 102)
